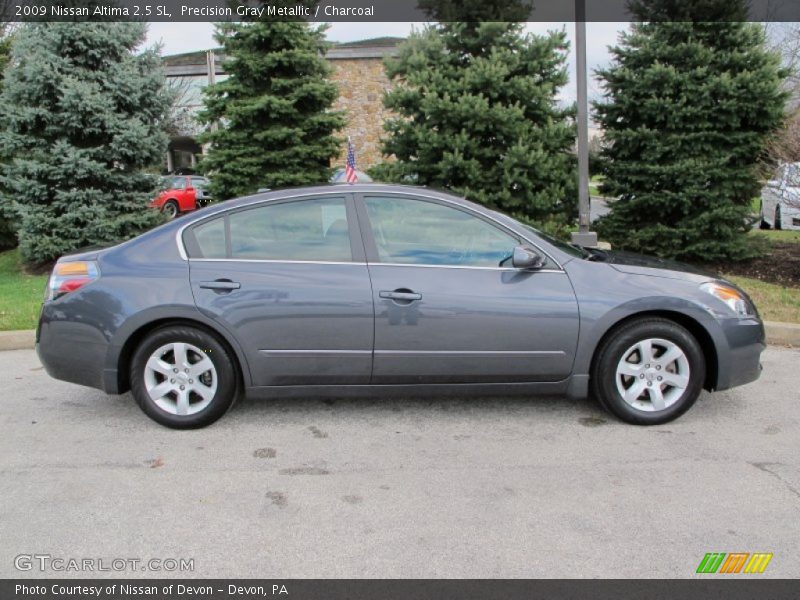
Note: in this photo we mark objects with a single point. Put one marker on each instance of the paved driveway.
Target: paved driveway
(401, 488)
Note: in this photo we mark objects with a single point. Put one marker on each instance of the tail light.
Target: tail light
(70, 276)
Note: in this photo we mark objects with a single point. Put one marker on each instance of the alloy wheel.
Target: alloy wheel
(653, 374)
(180, 379)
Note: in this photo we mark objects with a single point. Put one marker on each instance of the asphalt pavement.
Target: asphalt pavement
(399, 488)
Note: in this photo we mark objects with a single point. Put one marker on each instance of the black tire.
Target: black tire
(227, 377)
(170, 209)
(612, 351)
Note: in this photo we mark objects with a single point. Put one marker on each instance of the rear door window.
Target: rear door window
(307, 230)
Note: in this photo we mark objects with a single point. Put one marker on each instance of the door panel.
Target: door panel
(473, 325)
(288, 279)
(298, 323)
(454, 315)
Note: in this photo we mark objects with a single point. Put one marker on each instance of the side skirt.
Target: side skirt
(555, 388)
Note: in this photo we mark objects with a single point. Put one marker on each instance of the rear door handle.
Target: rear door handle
(400, 295)
(220, 284)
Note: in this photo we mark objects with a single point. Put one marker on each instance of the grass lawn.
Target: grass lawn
(771, 235)
(774, 302)
(594, 184)
(20, 294)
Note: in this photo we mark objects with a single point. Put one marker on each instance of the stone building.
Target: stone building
(357, 70)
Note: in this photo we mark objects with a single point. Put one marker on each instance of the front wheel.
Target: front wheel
(649, 372)
(183, 377)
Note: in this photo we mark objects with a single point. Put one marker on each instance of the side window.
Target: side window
(410, 231)
(178, 183)
(209, 238)
(313, 230)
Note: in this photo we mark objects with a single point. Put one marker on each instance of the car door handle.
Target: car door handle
(400, 295)
(220, 284)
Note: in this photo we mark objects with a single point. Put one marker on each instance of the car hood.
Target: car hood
(641, 264)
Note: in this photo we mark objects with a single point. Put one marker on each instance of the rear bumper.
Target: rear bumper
(73, 352)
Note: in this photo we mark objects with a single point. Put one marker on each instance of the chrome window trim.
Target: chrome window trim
(362, 264)
(407, 194)
(382, 264)
(274, 260)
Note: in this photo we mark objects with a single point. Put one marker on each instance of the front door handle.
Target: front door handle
(406, 295)
(220, 285)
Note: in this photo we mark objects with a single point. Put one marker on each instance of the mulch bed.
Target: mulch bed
(780, 265)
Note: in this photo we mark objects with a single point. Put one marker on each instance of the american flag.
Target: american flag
(350, 169)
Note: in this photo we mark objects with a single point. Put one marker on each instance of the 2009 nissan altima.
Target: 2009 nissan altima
(378, 289)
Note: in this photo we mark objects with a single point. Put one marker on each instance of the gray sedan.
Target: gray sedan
(377, 289)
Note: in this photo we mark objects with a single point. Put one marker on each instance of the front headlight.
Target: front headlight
(735, 300)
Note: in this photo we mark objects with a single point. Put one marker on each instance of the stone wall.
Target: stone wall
(362, 83)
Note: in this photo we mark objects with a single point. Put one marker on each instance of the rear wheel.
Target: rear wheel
(170, 209)
(649, 372)
(183, 377)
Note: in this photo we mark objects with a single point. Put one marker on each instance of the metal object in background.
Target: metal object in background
(583, 236)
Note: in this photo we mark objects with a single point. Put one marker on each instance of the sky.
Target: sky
(187, 37)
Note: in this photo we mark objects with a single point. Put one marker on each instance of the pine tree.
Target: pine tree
(80, 117)
(477, 113)
(270, 122)
(689, 107)
(8, 233)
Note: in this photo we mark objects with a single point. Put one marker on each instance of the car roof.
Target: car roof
(348, 188)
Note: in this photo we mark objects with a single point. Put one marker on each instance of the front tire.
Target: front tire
(650, 371)
(183, 377)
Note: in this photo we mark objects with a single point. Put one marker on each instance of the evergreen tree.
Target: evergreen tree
(270, 122)
(80, 117)
(8, 233)
(6, 39)
(690, 103)
(477, 112)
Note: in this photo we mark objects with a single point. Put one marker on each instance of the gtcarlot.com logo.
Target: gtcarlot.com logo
(48, 562)
(734, 562)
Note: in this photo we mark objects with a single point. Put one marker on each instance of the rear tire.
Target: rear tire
(183, 377)
(170, 209)
(648, 372)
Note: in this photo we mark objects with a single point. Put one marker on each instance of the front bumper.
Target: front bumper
(740, 361)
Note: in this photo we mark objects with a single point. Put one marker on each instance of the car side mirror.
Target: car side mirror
(525, 257)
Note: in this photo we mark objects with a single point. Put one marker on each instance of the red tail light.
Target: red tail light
(70, 276)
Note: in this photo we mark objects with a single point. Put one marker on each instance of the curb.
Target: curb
(17, 340)
(784, 334)
(781, 334)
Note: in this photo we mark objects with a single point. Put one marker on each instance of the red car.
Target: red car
(180, 194)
